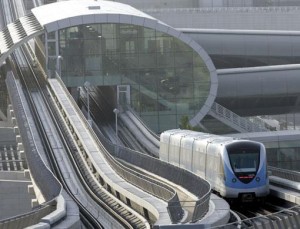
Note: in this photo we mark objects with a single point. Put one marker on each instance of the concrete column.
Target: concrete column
(20, 147)
(27, 173)
(30, 189)
(22, 155)
(34, 203)
(13, 121)
(16, 130)
(18, 138)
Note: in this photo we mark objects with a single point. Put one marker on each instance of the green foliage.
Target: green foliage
(185, 124)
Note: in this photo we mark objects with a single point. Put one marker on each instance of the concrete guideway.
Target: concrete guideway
(156, 207)
(49, 197)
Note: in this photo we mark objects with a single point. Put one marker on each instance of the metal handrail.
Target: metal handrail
(29, 218)
(200, 187)
(285, 173)
(248, 124)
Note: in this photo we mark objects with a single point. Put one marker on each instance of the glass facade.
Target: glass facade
(167, 78)
(284, 154)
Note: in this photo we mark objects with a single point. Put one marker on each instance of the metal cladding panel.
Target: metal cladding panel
(213, 149)
(64, 23)
(186, 153)
(52, 27)
(188, 141)
(259, 42)
(201, 143)
(138, 20)
(185, 38)
(216, 143)
(198, 162)
(162, 28)
(164, 144)
(150, 23)
(170, 145)
(174, 148)
(113, 18)
(173, 32)
(166, 134)
(189, 157)
(101, 18)
(89, 19)
(67, 9)
(76, 21)
(125, 19)
(175, 139)
(186, 148)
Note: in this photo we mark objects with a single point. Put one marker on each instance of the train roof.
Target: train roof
(191, 136)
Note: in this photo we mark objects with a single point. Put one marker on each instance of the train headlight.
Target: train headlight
(257, 179)
(233, 180)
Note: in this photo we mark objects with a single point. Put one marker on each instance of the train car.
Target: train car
(235, 168)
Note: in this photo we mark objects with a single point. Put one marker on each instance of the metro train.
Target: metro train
(235, 168)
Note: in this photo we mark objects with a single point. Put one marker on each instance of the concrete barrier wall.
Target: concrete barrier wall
(42, 176)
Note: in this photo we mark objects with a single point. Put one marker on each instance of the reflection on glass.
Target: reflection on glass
(164, 74)
(244, 162)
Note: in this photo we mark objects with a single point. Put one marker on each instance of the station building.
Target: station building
(161, 73)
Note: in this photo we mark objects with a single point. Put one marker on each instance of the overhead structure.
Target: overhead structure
(17, 33)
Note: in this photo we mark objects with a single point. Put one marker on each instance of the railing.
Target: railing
(184, 178)
(247, 124)
(30, 218)
(149, 185)
(285, 173)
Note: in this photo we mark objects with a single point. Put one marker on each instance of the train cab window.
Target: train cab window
(244, 160)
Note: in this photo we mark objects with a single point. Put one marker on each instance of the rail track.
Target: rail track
(274, 213)
(34, 82)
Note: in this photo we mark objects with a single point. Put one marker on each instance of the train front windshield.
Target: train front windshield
(244, 160)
